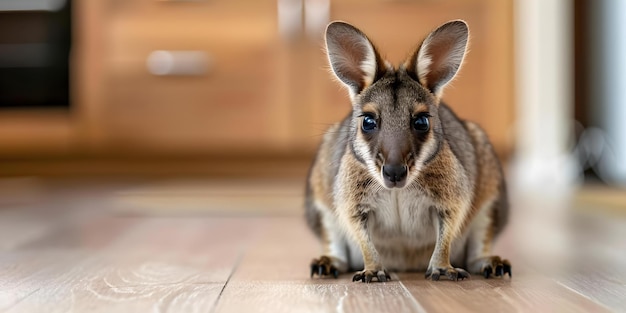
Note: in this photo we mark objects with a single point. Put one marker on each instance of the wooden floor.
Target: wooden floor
(243, 247)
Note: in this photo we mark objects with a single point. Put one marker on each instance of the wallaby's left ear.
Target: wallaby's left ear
(353, 58)
(440, 56)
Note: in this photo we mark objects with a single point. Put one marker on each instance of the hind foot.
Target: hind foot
(491, 266)
(324, 267)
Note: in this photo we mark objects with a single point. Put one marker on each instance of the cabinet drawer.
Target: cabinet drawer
(233, 104)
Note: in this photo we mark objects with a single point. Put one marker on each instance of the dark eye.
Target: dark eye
(421, 124)
(369, 123)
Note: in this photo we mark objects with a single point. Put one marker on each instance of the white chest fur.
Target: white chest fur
(403, 227)
(403, 215)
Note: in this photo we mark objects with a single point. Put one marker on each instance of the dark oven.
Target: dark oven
(35, 45)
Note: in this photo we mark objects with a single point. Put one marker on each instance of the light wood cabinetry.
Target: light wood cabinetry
(234, 106)
(260, 93)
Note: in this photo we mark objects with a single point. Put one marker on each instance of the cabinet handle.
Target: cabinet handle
(178, 63)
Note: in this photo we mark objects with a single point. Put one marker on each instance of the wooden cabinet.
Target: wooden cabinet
(265, 94)
(259, 93)
(232, 106)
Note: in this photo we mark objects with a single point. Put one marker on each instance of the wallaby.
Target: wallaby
(402, 183)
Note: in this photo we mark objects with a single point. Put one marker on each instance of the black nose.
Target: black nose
(394, 173)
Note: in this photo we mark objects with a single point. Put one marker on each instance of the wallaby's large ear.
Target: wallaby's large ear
(440, 56)
(352, 57)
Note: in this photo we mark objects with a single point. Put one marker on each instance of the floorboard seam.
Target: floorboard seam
(583, 295)
(419, 307)
(239, 258)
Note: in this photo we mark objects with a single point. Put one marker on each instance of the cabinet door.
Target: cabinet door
(232, 106)
(481, 92)
(261, 94)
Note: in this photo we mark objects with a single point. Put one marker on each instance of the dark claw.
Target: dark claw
(320, 270)
(453, 275)
(435, 276)
(427, 274)
(368, 279)
(463, 275)
(313, 269)
(356, 277)
(487, 271)
(507, 269)
(336, 273)
(382, 278)
(499, 270)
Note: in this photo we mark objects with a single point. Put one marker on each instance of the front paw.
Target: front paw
(366, 276)
(454, 274)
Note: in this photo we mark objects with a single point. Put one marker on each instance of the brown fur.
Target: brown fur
(396, 196)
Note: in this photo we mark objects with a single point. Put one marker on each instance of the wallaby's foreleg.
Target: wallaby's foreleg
(448, 222)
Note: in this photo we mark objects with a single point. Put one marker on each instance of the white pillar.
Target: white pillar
(544, 103)
(611, 85)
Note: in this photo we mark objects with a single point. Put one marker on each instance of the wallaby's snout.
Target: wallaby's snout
(395, 169)
(395, 175)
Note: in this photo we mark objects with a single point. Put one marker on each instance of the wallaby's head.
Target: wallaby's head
(395, 123)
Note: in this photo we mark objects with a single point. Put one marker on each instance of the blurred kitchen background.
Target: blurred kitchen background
(239, 89)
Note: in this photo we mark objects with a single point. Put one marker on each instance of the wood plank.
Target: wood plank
(45, 260)
(287, 245)
(274, 277)
(232, 197)
(19, 221)
(178, 264)
(596, 267)
(341, 295)
(524, 293)
(599, 286)
(17, 228)
(33, 209)
(84, 297)
(64, 252)
(543, 270)
(26, 272)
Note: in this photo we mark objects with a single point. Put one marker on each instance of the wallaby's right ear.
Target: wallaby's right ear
(435, 63)
(352, 57)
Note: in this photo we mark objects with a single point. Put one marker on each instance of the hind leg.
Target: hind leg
(481, 235)
(334, 258)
